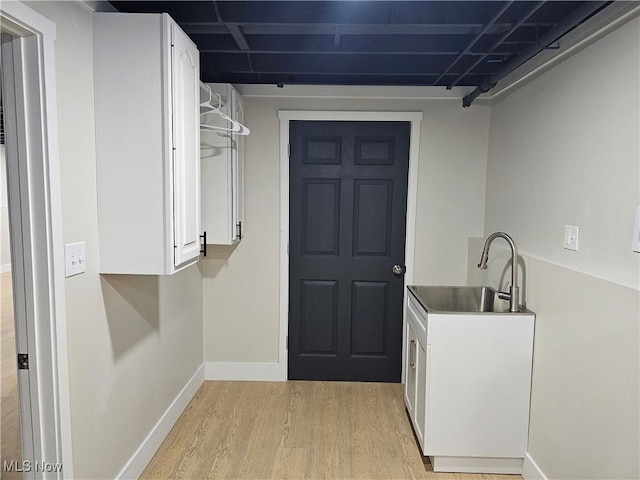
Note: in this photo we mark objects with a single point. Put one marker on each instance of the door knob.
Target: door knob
(398, 269)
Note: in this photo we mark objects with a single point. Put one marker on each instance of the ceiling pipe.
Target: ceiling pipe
(568, 23)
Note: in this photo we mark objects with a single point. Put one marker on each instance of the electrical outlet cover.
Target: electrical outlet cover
(571, 234)
(74, 254)
(636, 231)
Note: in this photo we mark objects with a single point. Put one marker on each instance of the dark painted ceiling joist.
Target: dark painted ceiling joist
(330, 29)
(238, 36)
(386, 42)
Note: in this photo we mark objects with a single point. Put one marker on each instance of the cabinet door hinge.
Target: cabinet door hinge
(23, 361)
(287, 342)
(288, 248)
(289, 150)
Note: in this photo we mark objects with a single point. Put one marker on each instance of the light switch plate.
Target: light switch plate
(636, 231)
(74, 259)
(571, 234)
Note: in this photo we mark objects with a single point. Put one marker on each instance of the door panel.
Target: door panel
(321, 151)
(375, 151)
(369, 304)
(320, 317)
(372, 217)
(348, 194)
(321, 200)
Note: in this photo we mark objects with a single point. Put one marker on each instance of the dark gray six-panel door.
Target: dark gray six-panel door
(348, 197)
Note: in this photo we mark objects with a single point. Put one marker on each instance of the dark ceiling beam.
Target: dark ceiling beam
(497, 43)
(482, 32)
(217, 10)
(232, 28)
(497, 53)
(237, 35)
(330, 29)
(205, 28)
(303, 79)
(341, 73)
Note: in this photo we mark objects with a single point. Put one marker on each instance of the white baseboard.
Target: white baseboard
(5, 268)
(531, 470)
(140, 459)
(243, 371)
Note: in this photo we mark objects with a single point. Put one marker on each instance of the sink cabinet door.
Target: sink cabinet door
(411, 369)
(416, 378)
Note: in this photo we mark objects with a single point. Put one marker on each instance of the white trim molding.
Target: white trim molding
(531, 470)
(147, 449)
(49, 372)
(5, 268)
(354, 116)
(415, 118)
(243, 371)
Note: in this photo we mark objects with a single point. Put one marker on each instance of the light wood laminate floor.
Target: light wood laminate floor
(9, 413)
(295, 430)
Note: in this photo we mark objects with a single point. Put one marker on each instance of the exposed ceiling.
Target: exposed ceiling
(438, 43)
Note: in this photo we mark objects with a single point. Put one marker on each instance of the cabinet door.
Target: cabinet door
(222, 172)
(411, 370)
(216, 165)
(185, 72)
(237, 153)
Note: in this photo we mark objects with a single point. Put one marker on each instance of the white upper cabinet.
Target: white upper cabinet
(222, 163)
(146, 76)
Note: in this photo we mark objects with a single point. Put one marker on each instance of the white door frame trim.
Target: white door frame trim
(412, 195)
(44, 245)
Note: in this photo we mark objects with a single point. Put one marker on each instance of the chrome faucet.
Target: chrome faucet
(514, 290)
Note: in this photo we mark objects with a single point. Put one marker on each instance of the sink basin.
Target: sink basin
(461, 299)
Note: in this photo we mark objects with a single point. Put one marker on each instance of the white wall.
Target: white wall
(241, 312)
(5, 249)
(133, 340)
(564, 149)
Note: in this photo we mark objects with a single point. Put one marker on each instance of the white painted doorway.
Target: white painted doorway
(11, 436)
(28, 77)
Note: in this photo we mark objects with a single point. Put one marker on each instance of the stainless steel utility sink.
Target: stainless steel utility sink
(462, 299)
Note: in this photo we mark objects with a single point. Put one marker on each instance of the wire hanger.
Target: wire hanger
(207, 107)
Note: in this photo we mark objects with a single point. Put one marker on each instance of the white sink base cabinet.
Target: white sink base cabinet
(468, 384)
